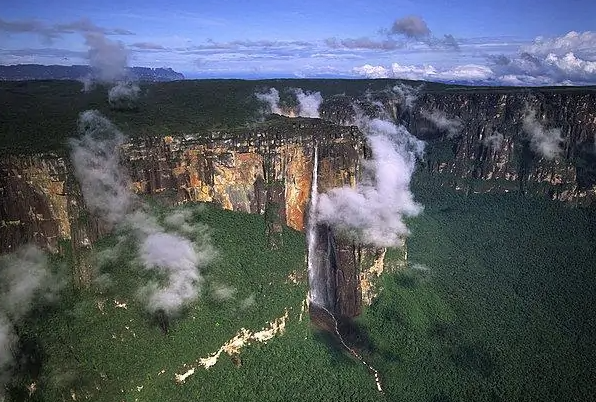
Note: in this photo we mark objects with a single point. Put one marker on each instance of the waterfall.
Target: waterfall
(320, 268)
(316, 288)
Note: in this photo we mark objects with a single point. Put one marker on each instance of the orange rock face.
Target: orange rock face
(235, 173)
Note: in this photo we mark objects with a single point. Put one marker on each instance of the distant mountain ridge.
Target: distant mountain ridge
(22, 72)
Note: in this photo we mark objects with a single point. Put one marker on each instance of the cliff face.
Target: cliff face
(263, 171)
(253, 171)
(460, 152)
(479, 165)
(33, 201)
(247, 170)
(268, 170)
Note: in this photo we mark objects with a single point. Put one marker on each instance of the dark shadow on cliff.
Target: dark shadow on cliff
(354, 335)
(29, 359)
(474, 358)
(339, 355)
(586, 164)
(464, 354)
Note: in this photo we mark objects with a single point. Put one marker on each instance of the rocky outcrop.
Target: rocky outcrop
(267, 169)
(33, 201)
(474, 163)
(460, 152)
(250, 170)
(264, 170)
(253, 170)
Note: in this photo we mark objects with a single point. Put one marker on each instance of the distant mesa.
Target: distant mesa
(22, 72)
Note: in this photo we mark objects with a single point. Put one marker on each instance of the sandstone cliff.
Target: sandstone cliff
(267, 169)
(264, 170)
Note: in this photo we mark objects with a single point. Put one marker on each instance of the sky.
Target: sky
(527, 42)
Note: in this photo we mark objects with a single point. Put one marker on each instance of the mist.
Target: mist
(493, 141)
(271, 99)
(441, 121)
(95, 156)
(108, 60)
(308, 103)
(223, 292)
(176, 258)
(25, 281)
(8, 341)
(373, 212)
(124, 95)
(407, 94)
(167, 251)
(547, 142)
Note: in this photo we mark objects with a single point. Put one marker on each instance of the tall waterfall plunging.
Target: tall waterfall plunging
(316, 288)
(323, 263)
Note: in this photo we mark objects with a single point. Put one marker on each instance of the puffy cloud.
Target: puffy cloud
(308, 103)
(452, 126)
(572, 67)
(580, 43)
(370, 71)
(411, 26)
(470, 72)
(107, 58)
(374, 211)
(568, 59)
(544, 141)
(178, 259)
(529, 69)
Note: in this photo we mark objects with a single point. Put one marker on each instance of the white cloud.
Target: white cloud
(452, 126)
(544, 141)
(572, 67)
(308, 103)
(179, 260)
(470, 72)
(374, 211)
(370, 71)
(566, 60)
(580, 43)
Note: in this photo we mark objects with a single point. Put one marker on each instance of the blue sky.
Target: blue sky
(524, 42)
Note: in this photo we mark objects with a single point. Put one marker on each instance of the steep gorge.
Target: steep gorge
(459, 150)
(267, 169)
